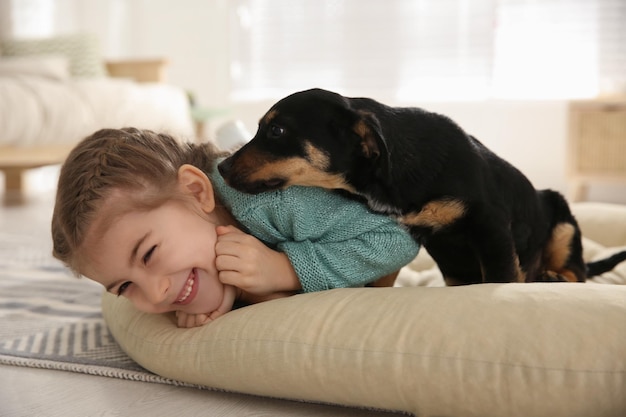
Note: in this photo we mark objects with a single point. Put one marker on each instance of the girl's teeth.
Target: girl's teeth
(188, 291)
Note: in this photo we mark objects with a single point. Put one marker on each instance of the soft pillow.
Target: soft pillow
(82, 51)
(55, 67)
(483, 350)
(604, 223)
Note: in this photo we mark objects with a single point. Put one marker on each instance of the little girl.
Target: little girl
(152, 219)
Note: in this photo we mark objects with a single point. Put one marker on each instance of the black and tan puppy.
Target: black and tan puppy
(477, 215)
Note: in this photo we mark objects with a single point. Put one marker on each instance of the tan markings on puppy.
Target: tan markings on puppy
(269, 116)
(309, 171)
(453, 282)
(249, 161)
(520, 275)
(298, 171)
(435, 214)
(570, 276)
(368, 142)
(552, 276)
(361, 128)
(317, 157)
(558, 248)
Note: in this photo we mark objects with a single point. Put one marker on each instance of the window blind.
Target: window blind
(559, 48)
(430, 49)
(363, 47)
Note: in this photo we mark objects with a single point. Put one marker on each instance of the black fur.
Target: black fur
(477, 215)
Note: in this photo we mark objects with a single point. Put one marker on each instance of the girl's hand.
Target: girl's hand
(191, 320)
(246, 263)
(196, 320)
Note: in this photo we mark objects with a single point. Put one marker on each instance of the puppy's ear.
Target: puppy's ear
(372, 139)
(373, 142)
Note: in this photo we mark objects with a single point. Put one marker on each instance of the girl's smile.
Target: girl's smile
(161, 259)
(189, 291)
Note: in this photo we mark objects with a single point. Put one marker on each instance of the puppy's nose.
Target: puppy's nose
(225, 167)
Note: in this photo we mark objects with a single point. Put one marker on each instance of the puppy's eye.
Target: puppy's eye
(275, 131)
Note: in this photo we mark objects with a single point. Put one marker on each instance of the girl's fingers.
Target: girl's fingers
(185, 320)
(230, 277)
(228, 230)
(227, 248)
(201, 319)
(227, 263)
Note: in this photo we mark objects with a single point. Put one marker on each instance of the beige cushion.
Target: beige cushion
(81, 49)
(602, 222)
(484, 350)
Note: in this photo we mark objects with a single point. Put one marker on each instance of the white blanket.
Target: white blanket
(37, 110)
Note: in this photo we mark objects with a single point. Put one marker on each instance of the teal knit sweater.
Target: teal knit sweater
(331, 241)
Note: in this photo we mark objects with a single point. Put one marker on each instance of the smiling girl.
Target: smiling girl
(152, 220)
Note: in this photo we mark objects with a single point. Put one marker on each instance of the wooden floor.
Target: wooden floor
(26, 392)
(30, 392)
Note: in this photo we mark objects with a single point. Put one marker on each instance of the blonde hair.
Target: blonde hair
(141, 163)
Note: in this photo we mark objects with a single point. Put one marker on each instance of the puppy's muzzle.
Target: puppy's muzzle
(241, 181)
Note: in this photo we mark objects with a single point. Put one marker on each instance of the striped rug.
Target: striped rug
(51, 319)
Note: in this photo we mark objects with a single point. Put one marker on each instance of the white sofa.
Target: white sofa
(55, 91)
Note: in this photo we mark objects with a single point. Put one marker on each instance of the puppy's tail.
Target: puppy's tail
(606, 264)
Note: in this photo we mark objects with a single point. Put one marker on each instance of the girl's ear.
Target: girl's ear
(192, 181)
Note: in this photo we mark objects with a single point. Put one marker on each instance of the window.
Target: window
(554, 48)
(28, 18)
(429, 49)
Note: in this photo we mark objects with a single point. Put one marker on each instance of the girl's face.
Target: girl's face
(162, 260)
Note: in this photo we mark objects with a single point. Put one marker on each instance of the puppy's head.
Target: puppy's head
(311, 138)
